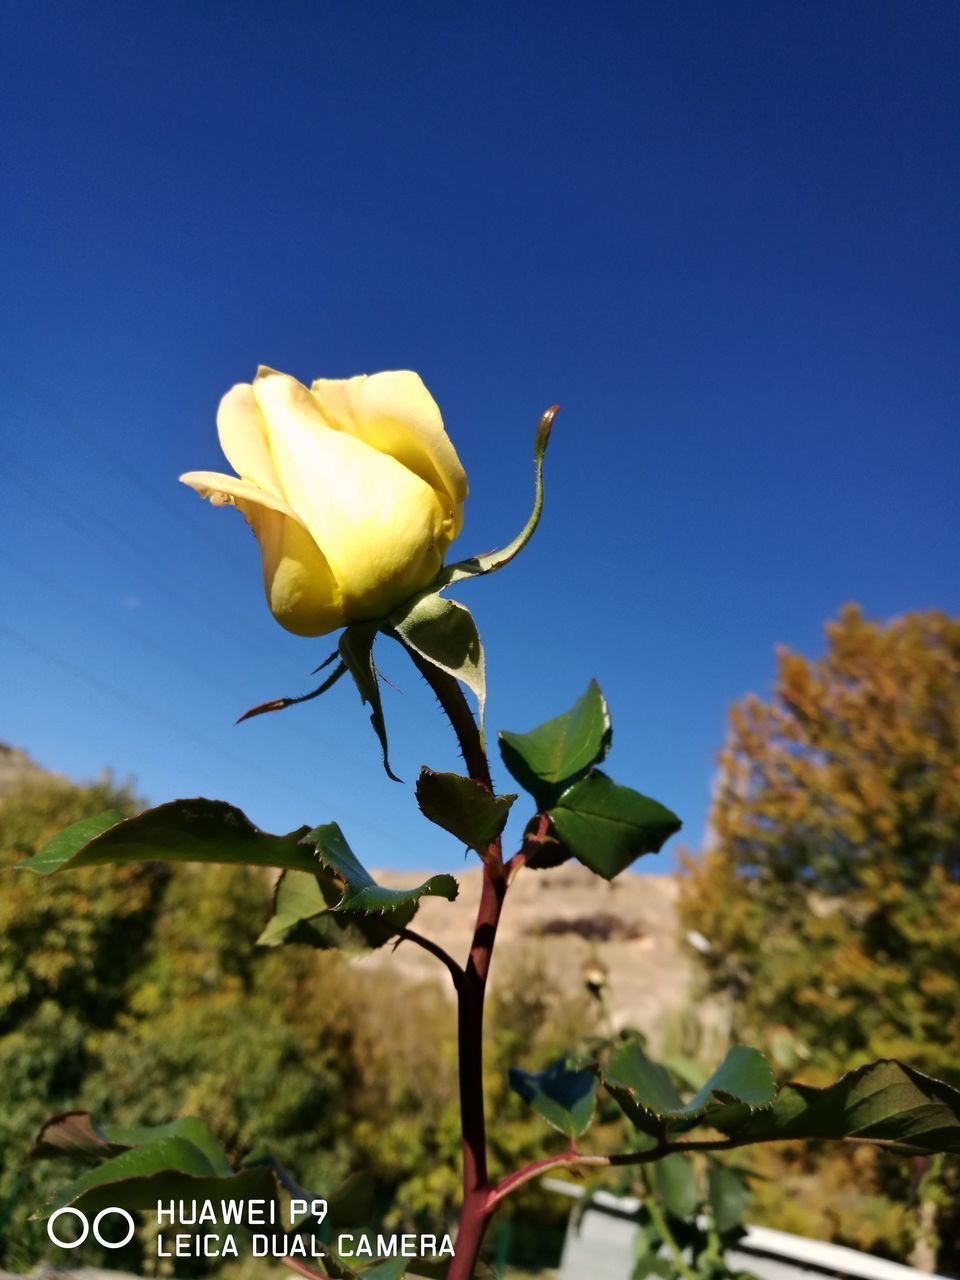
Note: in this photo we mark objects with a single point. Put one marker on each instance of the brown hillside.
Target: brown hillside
(571, 922)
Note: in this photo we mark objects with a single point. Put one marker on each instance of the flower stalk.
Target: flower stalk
(471, 991)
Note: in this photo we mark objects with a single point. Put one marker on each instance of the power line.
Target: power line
(117, 543)
(58, 416)
(176, 726)
(159, 717)
(68, 593)
(211, 678)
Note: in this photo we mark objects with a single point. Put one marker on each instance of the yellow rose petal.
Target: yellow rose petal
(301, 590)
(221, 489)
(396, 414)
(382, 529)
(243, 438)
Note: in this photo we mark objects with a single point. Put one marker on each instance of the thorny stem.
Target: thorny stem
(471, 990)
(480, 1199)
(457, 710)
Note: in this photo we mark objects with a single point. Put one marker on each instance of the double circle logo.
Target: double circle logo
(85, 1227)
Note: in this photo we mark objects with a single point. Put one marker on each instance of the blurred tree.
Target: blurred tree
(67, 960)
(829, 893)
(137, 993)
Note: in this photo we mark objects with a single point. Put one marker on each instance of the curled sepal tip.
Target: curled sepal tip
(489, 561)
(280, 704)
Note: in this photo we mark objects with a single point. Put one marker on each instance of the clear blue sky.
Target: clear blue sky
(722, 236)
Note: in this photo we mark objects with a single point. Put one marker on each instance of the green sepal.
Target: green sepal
(564, 1097)
(547, 760)
(178, 831)
(490, 561)
(607, 827)
(304, 913)
(356, 650)
(463, 807)
(885, 1102)
(444, 632)
(361, 892)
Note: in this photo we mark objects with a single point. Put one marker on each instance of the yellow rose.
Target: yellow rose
(352, 487)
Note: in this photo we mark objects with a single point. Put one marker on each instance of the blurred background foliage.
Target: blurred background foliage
(828, 895)
(137, 993)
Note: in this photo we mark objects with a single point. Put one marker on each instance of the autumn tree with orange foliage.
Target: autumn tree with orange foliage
(829, 892)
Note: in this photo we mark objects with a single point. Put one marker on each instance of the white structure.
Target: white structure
(601, 1245)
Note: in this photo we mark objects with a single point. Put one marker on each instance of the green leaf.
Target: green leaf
(676, 1184)
(563, 1097)
(646, 1083)
(728, 1195)
(607, 826)
(884, 1101)
(645, 1092)
(179, 831)
(444, 632)
(463, 807)
(361, 892)
(353, 1203)
(172, 1168)
(66, 842)
(189, 1128)
(490, 561)
(356, 650)
(744, 1074)
(388, 1269)
(336, 1268)
(303, 913)
(299, 897)
(654, 1264)
(550, 758)
(77, 1134)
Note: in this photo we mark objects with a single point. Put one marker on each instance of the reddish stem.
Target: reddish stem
(471, 990)
(476, 1208)
(457, 710)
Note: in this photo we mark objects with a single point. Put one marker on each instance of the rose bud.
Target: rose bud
(352, 488)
